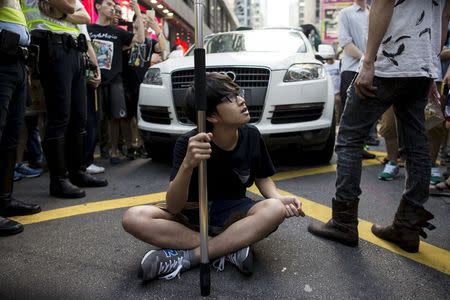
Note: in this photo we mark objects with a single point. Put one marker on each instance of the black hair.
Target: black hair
(100, 2)
(218, 86)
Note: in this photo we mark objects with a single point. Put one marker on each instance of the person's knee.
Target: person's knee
(134, 216)
(274, 208)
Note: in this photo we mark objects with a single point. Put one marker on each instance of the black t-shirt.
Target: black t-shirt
(133, 76)
(229, 172)
(108, 42)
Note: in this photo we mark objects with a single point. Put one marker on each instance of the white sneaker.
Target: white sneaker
(94, 169)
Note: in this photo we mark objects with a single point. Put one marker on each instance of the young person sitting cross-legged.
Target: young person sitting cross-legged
(237, 157)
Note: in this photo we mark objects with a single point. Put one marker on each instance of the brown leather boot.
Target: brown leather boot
(408, 224)
(343, 226)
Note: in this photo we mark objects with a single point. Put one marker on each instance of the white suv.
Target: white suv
(287, 91)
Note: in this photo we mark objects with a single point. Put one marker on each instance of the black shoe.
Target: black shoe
(141, 152)
(131, 153)
(62, 188)
(83, 179)
(9, 227)
(115, 160)
(15, 207)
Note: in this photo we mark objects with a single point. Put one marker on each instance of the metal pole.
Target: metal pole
(200, 83)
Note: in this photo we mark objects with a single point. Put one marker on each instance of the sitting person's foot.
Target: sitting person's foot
(436, 175)
(166, 264)
(242, 259)
(389, 172)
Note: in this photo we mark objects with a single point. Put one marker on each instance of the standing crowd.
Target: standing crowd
(77, 82)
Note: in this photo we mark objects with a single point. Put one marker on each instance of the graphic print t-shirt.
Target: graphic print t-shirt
(229, 172)
(108, 42)
(412, 41)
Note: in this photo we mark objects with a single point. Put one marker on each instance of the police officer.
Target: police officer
(14, 39)
(62, 74)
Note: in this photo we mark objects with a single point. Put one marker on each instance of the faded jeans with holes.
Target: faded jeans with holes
(408, 97)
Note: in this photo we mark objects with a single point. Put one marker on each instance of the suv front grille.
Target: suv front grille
(155, 114)
(253, 80)
(295, 113)
(245, 77)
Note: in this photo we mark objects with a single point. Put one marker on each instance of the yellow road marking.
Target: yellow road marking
(317, 170)
(88, 208)
(429, 255)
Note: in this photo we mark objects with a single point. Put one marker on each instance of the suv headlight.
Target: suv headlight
(301, 72)
(153, 76)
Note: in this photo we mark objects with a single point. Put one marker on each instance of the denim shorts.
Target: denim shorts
(221, 214)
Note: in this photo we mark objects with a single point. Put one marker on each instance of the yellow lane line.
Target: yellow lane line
(88, 208)
(318, 170)
(429, 255)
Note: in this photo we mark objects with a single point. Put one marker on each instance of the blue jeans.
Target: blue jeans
(408, 97)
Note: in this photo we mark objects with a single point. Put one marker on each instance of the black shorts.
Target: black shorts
(113, 99)
(221, 214)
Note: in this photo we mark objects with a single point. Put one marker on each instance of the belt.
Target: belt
(64, 39)
(21, 54)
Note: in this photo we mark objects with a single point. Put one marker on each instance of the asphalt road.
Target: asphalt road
(89, 256)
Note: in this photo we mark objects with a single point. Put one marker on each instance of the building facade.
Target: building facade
(249, 13)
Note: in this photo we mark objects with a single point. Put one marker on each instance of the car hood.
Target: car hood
(271, 60)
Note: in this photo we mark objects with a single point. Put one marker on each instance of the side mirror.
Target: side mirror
(325, 52)
(319, 57)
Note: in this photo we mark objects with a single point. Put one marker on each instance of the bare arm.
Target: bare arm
(162, 43)
(139, 37)
(353, 51)
(81, 16)
(199, 148)
(379, 20)
(267, 187)
(292, 205)
(64, 6)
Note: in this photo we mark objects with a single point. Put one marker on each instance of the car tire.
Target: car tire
(158, 152)
(324, 156)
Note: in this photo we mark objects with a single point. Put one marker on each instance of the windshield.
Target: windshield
(256, 41)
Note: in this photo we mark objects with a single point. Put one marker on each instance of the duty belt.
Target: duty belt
(64, 39)
(22, 54)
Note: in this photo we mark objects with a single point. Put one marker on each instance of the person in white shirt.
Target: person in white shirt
(397, 69)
